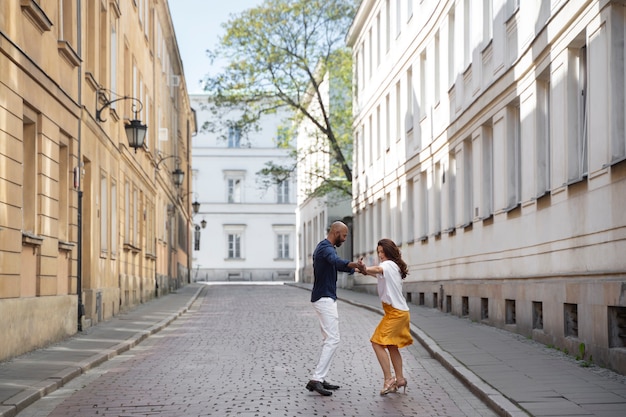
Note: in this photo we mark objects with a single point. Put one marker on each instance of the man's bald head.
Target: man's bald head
(338, 233)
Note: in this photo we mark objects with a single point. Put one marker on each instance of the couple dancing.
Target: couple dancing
(392, 332)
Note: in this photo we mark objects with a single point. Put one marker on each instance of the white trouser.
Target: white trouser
(326, 309)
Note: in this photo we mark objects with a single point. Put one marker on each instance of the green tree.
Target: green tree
(277, 56)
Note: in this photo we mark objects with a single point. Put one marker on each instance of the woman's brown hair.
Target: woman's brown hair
(392, 252)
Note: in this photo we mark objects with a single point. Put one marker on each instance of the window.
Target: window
(283, 251)
(466, 192)
(114, 234)
(449, 184)
(451, 34)
(234, 190)
(387, 25)
(513, 157)
(234, 246)
(408, 122)
(127, 212)
(387, 122)
(234, 136)
(437, 72)
(283, 192)
(113, 82)
(437, 197)
(410, 207)
(369, 54)
(378, 39)
(29, 180)
(487, 21)
(64, 190)
(422, 206)
(398, 17)
(378, 131)
(104, 202)
(135, 217)
(467, 33)
(542, 135)
(423, 83)
(234, 185)
(577, 143)
(398, 112)
(487, 171)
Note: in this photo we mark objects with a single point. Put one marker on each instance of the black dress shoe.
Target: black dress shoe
(328, 385)
(318, 387)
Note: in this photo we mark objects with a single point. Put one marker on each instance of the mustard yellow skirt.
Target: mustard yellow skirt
(394, 328)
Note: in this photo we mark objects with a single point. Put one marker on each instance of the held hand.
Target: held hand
(362, 267)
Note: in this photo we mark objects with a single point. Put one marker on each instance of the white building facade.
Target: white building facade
(249, 230)
(315, 214)
(490, 145)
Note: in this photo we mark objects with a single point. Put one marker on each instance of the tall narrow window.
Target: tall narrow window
(423, 83)
(438, 175)
(378, 130)
(29, 171)
(64, 184)
(127, 212)
(513, 157)
(487, 171)
(370, 141)
(468, 190)
(283, 192)
(449, 183)
(234, 246)
(135, 217)
(437, 72)
(113, 59)
(542, 148)
(398, 17)
(467, 33)
(114, 235)
(104, 214)
(409, 100)
(370, 54)
(577, 144)
(283, 251)
(398, 112)
(387, 122)
(234, 184)
(423, 206)
(378, 39)
(487, 21)
(387, 25)
(410, 210)
(451, 34)
(234, 137)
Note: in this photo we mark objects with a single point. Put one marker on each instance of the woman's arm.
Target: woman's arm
(374, 270)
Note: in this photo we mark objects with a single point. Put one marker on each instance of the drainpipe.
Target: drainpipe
(79, 272)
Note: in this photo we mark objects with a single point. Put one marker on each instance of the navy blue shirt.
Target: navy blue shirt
(326, 263)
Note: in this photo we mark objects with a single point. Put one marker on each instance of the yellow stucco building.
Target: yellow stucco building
(89, 226)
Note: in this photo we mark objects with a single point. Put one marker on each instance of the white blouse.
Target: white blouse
(390, 286)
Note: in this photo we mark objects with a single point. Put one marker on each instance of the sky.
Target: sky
(197, 24)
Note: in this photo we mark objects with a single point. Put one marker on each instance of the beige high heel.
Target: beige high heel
(402, 384)
(389, 386)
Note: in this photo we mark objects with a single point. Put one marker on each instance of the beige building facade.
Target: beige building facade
(490, 145)
(89, 226)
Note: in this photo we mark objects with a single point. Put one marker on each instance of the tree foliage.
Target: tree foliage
(277, 56)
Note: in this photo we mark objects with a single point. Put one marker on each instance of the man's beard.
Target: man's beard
(337, 244)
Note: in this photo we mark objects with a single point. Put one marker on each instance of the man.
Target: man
(326, 263)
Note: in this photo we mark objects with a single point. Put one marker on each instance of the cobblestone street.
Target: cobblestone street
(249, 351)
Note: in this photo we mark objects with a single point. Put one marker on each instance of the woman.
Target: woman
(393, 331)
